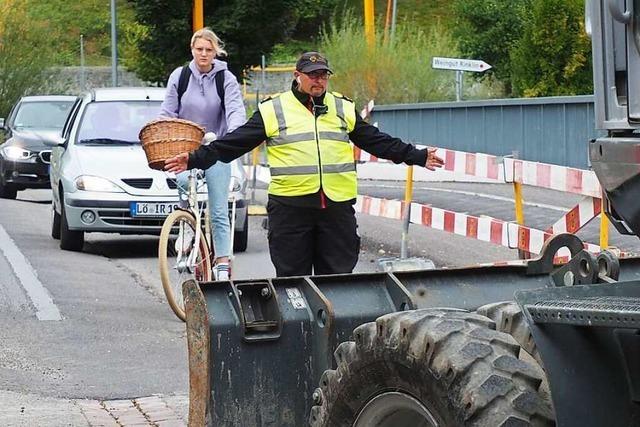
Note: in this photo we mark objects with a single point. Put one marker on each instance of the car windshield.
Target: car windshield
(116, 122)
(42, 114)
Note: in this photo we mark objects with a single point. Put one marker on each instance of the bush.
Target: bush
(392, 72)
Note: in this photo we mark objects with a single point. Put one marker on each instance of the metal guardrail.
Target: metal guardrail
(549, 130)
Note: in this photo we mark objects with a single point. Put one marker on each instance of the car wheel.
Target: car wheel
(241, 238)
(55, 223)
(7, 191)
(70, 240)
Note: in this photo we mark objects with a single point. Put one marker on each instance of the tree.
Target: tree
(488, 30)
(25, 54)
(554, 55)
(249, 28)
(91, 18)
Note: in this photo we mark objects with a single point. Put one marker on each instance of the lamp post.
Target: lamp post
(114, 46)
(393, 19)
(82, 75)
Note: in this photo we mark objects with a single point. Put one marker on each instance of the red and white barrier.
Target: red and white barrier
(471, 164)
(553, 177)
(487, 229)
(579, 216)
(460, 165)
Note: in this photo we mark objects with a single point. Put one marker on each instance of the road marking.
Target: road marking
(37, 293)
(472, 193)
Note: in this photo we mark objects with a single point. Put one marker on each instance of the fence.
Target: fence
(551, 130)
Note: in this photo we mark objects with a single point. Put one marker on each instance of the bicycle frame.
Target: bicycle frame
(196, 210)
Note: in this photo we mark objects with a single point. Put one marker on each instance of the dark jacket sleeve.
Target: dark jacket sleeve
(384, 146)
(231, 146)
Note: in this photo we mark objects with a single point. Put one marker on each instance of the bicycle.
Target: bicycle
(184, 249)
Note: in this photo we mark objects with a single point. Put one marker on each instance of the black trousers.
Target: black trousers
(305, 241)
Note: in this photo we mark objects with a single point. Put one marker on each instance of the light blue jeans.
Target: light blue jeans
(218, 177)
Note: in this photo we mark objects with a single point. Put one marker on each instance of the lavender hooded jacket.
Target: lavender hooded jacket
(201, 104)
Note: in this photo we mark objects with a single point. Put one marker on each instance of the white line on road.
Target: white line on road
(471, 193)
(45, 308)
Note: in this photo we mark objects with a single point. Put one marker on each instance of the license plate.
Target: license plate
(157, 209)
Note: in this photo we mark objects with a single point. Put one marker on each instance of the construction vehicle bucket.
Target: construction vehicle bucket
(257, 349)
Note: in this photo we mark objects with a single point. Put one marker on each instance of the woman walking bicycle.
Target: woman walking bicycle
(207, 93)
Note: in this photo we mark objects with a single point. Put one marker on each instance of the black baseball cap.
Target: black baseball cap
(312, 61)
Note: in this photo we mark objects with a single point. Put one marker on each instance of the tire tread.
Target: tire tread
(476, 367)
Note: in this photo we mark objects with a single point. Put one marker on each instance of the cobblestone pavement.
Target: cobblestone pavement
(30, 410)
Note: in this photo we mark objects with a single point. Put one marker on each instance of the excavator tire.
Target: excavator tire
(430, 367)
(509, 319)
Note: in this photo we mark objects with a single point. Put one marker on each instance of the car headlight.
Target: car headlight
(16, 153)
(95, 183)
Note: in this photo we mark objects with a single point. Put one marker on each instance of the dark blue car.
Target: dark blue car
(24, 158)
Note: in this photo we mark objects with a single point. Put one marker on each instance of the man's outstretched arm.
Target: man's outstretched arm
(230, 147)
(370, 139)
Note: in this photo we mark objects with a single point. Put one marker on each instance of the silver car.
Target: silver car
(99, 174)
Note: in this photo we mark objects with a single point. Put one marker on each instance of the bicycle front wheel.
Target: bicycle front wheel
(177, 259)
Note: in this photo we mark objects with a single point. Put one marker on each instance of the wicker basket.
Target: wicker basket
(165, 138)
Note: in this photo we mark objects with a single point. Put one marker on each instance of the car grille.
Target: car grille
(143, 183)
(45, 156)
(171, 183)
(123, 217)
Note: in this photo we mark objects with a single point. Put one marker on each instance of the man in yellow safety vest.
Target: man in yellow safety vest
(312, 224)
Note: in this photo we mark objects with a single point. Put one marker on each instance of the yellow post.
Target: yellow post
(408, 196)
(517, 194)
(408, 189)
(198, 15)
(604, 226)
(255, 209)
(369, 28)
(370, 35)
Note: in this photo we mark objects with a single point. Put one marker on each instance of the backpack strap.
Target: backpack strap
(183, 82)
(219, 77)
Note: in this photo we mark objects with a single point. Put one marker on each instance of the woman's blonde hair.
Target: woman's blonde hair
(207, 34)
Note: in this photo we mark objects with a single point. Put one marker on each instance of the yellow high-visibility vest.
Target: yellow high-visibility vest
(304, 152)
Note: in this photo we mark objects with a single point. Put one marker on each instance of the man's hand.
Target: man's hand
(177, 164)
(433, 161)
